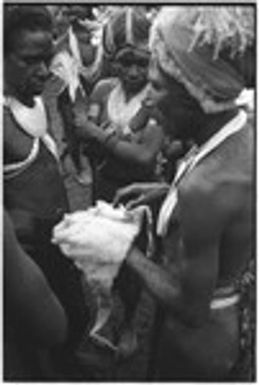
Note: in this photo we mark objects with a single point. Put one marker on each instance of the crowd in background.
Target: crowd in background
(97, 62)
(131, 100)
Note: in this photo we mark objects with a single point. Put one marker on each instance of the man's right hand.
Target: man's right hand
(140, 193)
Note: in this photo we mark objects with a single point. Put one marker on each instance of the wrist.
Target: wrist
(110, 138)
(133, 256)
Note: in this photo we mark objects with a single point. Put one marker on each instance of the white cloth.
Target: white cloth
(188, 164)
(98, 240)
(32, 119)
(74, 46)
(34, 122)
(120, 111)
(246, 99)
(66, 65)
(67, 69)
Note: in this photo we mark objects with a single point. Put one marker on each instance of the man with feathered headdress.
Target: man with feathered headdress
(205, 224)
(205, 227)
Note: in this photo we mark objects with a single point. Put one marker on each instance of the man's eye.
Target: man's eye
(30, 60)
(156, 86)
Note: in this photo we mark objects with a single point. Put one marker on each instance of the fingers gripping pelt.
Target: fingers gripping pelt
(98, 241)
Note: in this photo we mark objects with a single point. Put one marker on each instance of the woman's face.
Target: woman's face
(133, 69)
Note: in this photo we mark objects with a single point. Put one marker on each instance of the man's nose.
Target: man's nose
(43, 70)
(133, 71)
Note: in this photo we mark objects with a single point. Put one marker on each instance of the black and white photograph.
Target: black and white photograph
(129, 191)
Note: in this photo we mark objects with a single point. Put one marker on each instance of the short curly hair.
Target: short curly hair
(18, 18)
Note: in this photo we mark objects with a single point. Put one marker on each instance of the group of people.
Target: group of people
(167, 92)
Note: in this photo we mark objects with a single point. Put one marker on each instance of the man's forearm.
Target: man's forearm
(139, 154)
(157, 280)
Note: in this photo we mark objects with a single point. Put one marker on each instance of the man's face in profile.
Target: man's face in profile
(174, 102)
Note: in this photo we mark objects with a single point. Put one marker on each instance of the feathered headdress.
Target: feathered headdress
(126, 27)
(198, 45)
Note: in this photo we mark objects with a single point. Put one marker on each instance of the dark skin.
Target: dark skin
(132, 66)
(26, 66)
(28, 295)
(133, 77)
(190, 122)
(207, 244)
(25, 73)
(72, 16)
(43, 198)
(132, 70)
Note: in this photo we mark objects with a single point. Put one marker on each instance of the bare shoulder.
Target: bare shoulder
(223, 181)
(102, 89)
(17, 143)
(9, 127)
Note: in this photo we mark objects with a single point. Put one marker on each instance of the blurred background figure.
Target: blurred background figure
(78, 63)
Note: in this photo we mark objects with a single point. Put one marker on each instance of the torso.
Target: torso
(116, 173)
(17, 143)
(39, 187)
(227, 174)
(36, 200)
